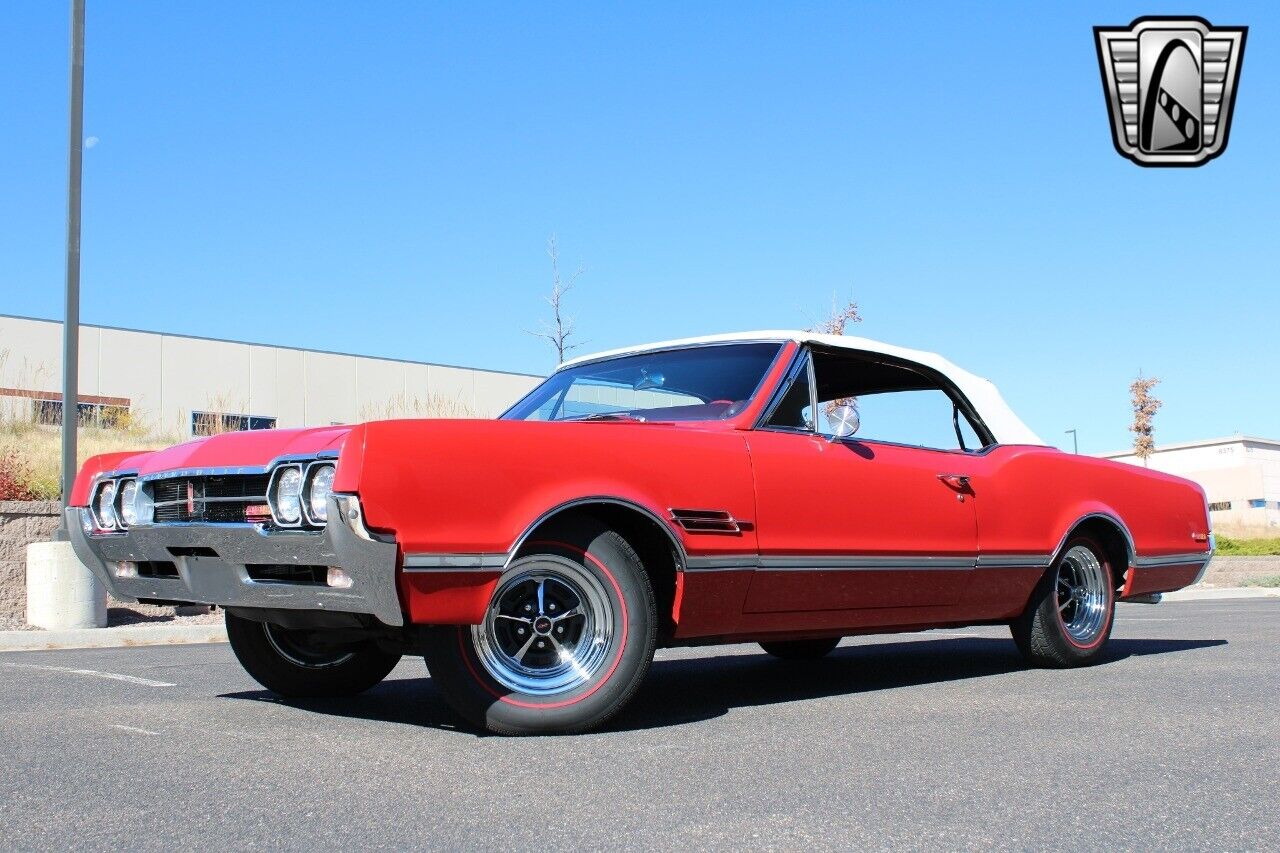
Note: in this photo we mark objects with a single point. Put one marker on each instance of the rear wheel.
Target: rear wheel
(299, 663)
(801, 649)
(568, 636)
(1069, 617)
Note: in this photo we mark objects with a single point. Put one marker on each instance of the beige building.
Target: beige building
(180, 384)
(1240, 475)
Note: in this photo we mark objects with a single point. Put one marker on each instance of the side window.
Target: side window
(895, 403)
(922, 418)
(795, 411)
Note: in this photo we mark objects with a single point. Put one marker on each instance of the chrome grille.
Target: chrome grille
(221, 498)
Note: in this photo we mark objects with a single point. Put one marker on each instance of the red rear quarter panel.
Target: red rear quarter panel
(1030, 497)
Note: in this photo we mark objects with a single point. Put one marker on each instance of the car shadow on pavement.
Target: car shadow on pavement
(691, 689)
(688, 690)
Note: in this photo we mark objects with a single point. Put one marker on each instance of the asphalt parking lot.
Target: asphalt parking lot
(940, 740)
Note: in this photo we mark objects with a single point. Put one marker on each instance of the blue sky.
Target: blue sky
(382, 179)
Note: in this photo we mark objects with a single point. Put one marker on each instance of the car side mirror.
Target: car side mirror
(844, 421)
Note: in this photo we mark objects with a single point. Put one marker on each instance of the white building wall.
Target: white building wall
(167, 377)
(1240, 471)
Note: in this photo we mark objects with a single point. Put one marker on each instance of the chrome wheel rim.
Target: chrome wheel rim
(548, 629)
(293, 647)
(1082, 594)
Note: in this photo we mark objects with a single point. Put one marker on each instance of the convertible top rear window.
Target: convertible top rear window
(697, 383)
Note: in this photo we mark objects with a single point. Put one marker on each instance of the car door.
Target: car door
(857, 523)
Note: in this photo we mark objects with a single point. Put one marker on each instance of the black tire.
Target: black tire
(283, 661)
(467, 662)
(1044, 632)
(801, 649)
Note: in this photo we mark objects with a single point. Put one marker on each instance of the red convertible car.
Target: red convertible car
(784, 488)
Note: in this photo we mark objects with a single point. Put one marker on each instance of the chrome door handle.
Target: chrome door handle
(959, 482)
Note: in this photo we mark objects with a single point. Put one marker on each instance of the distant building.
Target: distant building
(1240, 475)
(176, 384)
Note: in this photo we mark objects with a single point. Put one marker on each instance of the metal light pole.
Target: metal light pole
(1075, 446)
(71, 325)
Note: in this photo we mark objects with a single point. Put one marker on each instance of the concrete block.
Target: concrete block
(61, 591)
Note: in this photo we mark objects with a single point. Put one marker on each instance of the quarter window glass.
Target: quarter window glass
(795, 410)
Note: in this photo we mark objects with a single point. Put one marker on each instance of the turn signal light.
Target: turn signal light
(338, 579)
(125, 569)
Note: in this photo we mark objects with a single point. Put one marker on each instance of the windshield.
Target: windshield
(698, 384)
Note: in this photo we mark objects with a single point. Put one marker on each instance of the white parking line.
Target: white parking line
(132, 729)
(114, 676)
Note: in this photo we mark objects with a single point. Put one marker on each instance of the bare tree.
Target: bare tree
(1145, 407)
(839, 318)
(835, 324)
(561, 328)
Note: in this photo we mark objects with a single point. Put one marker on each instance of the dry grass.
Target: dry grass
(39, 448)
(430, 406)
(1245, 531)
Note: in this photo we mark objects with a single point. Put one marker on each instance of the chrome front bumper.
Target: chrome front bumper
(219, 575)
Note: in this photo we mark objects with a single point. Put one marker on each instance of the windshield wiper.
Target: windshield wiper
(609, 416)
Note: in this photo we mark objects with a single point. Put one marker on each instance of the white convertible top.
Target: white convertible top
(1005, 426)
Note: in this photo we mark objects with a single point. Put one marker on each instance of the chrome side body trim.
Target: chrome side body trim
(723, 563)
(224, 580)
(1017, 561)
(1173, 560)
(454, 562)
(853, 563)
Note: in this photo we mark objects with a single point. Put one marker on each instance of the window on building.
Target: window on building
(1220, 506)
(100, 415)
(212, 423)
(1258, 503)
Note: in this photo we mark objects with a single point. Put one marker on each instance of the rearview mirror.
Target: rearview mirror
(844, 421)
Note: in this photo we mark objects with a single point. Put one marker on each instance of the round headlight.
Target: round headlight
(288, 495)
(318, 491)
(106, 510)
(129, 502)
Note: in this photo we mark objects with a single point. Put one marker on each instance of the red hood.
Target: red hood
(252, 449)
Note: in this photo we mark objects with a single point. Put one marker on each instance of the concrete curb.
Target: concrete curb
(1194, 594)
(110, 638)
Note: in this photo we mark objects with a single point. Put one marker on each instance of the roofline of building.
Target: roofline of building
(1205, 442)
(275, 346)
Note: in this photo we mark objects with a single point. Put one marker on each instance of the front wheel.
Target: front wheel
(1069, 618)
(568, 636)
(297, 663)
